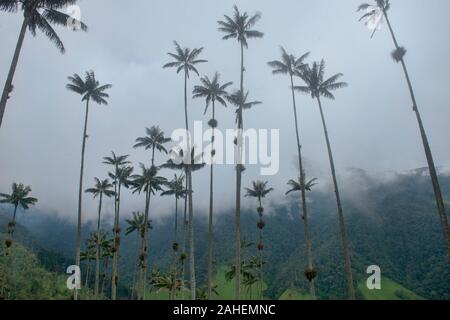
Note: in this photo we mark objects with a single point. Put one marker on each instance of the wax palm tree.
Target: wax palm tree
(176, 189)
(259, 190)
(186, 60)
(19, 198)
(38, 14)
(154, 140)
(399, 56)
(211, 91)
(147, 182)
(136, 224)
(290, 65)
(310, 271)
(240, 101)
(181, 162)
(120, 177)
(100, 189)
(89, 89)
(317, 87)
(239, 27)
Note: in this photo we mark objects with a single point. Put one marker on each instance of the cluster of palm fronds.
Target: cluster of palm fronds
(307, 78)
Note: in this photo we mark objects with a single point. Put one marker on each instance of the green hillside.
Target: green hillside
(390, 290)
(28, 279)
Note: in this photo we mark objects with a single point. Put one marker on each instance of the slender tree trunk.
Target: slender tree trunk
(116, 231)
(104, 276)
(175, 252)
(211, 206)
(426, 146)
(239, 185)
(144, 249)
(190, 205)
(309, 258)
(97, 253)
(261, 255)
(343, 229)
(88, 272)
(11, 229)
(183, 248)
(80, 193)
(8, 84)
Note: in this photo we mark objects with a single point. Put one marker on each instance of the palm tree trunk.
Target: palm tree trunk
(104, 276)
(211, 206)
(312, 289)
(88, 272)
(8, 84)
(114, 271)
(183, 248)
(97, 253)
(80, 193)
(175, 243)
(261, 255)
(190, 205)
(144, 249)
(239, 185)
(426, 146)
(343, 229)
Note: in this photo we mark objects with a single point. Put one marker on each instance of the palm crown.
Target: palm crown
(89, 88)
(288, 64)
(19, 196)
(212, 90)
(259, 190)
(239, 99)
(175, 188)
(315, 85)
(185, 59)
(102, 187)
(136, 223)
(148, 181)
(154, 139)
(297, 186)
(194, 164)
(116, 161)
(385, 5)
(41, 14)
(240, 27)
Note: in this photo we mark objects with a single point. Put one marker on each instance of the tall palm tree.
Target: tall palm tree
(259, 190)
(148, 182)
(317, 87)
(120, 177)
(176, 189)
(211, 91)
(239, 27)
(290, 65)
(100, 189)
(182, 163)
(185, 60)
(38, 14)
(19, 197)
(89, 89)
(399, 56)
(136, 224)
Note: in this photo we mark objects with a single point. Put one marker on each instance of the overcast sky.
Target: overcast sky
(371, 123)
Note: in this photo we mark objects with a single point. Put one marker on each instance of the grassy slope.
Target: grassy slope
(294, 294)
(27, 279)
(390, 290)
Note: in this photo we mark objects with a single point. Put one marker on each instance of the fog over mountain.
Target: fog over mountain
(371, 123)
